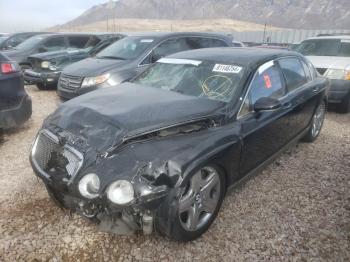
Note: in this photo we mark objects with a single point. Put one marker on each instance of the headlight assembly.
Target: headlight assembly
(45, 64)
(121, 192)
(342, 74)
(96, 80)
(89, 186)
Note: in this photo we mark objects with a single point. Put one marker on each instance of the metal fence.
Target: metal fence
(282, 37)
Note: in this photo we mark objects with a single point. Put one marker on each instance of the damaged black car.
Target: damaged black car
(15, 104)
(157, 154)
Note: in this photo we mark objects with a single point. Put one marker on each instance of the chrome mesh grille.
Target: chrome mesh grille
(44, 146)
(50, 156)
(70, 82)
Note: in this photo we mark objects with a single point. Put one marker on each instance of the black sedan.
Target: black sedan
(15, 104)
(158, 153)
(129, 57)
(47, 67)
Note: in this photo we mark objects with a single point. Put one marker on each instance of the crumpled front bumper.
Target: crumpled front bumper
(44, 78)
(17, 114)
(109, 217)
(339, 90)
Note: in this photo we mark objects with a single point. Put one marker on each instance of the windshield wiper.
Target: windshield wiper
(112, 57)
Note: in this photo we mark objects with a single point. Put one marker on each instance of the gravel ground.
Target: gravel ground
(298, 208)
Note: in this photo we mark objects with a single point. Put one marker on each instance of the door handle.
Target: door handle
(316, 89)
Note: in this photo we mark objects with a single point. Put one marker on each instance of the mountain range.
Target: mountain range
(298, 14)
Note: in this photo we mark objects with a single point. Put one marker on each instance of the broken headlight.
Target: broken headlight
(121, 192)
(89, 186)
(45, 64)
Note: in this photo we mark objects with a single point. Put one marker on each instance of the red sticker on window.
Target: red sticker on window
(267, 79)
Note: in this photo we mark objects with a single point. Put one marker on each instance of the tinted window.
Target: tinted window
(126, 48)
(78, 41)
(293, 72)
(344, 49)
(2, 39)
(319, 47)
(30, 43)
(267, 82)
(53, 44)
(170, 46)
(201, 42)
(217, 43)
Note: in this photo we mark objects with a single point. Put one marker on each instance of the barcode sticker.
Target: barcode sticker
(230, 69)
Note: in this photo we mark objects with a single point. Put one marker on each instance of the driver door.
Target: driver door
(264, 132)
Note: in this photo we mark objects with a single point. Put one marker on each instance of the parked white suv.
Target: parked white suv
(331, 57)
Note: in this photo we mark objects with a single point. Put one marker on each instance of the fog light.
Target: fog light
(89, 186)
(121, 192)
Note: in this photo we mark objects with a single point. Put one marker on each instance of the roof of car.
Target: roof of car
(167, 34)
(331, 37)
(242, 56)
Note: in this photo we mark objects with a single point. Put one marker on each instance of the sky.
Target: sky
(24, 15)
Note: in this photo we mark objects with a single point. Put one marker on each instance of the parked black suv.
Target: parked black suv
(128, 57)
(10, 41)
(15, 104)
(47, 67)
(45, 43)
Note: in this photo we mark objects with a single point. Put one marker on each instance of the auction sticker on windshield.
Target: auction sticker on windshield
(231, 69)
(146, 41)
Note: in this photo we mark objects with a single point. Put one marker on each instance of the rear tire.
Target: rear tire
(316, 123)
(191, 212)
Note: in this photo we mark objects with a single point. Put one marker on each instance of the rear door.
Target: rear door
(265, 132)
(302, 92)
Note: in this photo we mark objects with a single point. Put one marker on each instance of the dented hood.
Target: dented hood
(108, 116)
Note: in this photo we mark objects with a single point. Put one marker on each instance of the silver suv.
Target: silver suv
(331, 57)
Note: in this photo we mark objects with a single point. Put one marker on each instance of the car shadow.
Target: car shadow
(5, 134)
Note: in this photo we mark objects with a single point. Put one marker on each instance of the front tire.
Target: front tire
(197, 205)
(316, 123)
(344, 107)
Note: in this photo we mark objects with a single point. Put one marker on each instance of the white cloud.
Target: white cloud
(19, 15)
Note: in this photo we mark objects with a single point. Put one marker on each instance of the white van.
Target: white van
(331, 57)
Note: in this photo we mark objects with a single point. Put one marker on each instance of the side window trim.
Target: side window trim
(309, 70)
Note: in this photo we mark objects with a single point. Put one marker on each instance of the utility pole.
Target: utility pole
(107, 24)
(263, 41)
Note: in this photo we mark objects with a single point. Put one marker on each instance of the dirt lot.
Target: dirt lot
(296, 209)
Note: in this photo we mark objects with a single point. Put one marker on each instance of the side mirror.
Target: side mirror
(267, 103)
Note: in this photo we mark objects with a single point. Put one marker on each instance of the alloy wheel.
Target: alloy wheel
(199, 199)
(317, 120)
